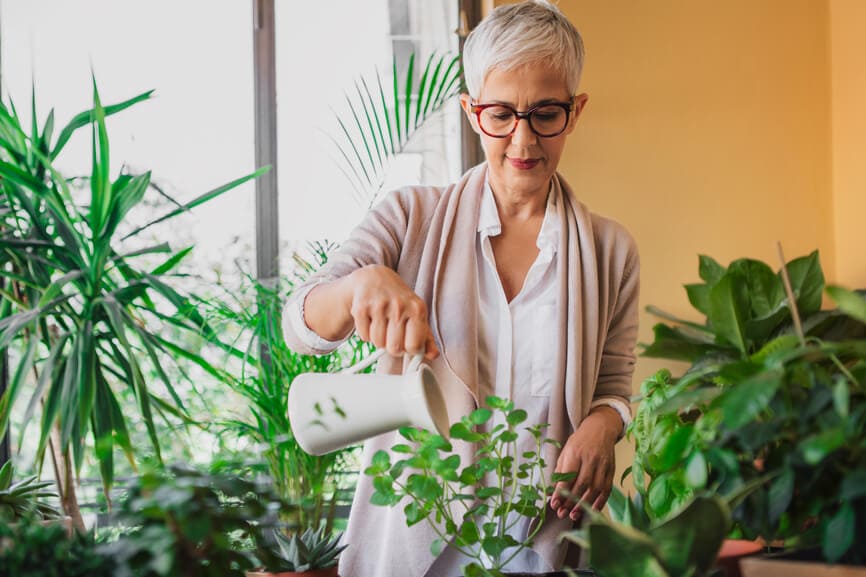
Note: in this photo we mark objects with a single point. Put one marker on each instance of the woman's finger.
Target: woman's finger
(417, 334)
(395, 337)
(379, 331)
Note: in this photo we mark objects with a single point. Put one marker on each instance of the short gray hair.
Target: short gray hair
(524, 33)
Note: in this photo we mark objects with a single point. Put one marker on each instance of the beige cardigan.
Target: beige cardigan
(428, 236)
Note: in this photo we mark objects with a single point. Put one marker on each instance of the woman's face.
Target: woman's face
(523, 163)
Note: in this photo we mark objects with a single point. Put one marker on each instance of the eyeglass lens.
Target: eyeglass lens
(544, 120)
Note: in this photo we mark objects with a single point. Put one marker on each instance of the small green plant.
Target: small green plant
(23, 499)
(185, 523)
(472, 517)
(307, 551)
(33, 549)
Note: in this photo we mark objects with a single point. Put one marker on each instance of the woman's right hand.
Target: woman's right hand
(379, 305)
(388, 313)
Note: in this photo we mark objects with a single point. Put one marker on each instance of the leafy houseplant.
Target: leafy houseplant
(790, 409)
(82, 307)
(309, 482)
(630, 545)
(184, 523)
(32, 549)
(22, 499)
(311, 553)
(473, 518)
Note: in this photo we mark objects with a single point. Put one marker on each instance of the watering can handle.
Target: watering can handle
(414, 363)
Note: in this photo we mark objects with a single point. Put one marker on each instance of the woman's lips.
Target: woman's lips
(523, 163)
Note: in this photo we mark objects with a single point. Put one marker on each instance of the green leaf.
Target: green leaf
(423, 487)
(696, 470)
(516, 417)
(839, 533)
(480, 416)
(673, 343)
(699, 296)
(84, 118)
(437, 546)
(487, 492)
(841, 397)
(816, 447)
(807, 282)
(380, 463)
(414, 514)
(620, 550)
(851, 303)
(674, 448)
(744, 401)
(469, 533)
(691, 539)
(764, 289)
(853, 485)
(660, 497)
(709, 270)
(201, 199)
(729, 305)
(781, 493)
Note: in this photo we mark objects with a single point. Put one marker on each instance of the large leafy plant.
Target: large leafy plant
(464, 510)
(789, 409)
(79, 302)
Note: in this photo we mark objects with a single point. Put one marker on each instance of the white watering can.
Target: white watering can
(330, 411)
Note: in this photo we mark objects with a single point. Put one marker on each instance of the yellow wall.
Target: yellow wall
(708, 131)
(848, 49)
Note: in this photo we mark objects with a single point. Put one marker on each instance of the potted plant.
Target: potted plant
(311, 554)
(436, 488)
(80, 304)
(790, 409)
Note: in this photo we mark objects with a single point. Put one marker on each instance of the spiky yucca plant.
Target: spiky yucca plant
(85, 312)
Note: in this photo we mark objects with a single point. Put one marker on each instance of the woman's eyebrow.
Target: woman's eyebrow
(531, 105)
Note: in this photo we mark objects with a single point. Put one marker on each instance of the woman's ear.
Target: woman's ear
(466, 104)
(579, 104)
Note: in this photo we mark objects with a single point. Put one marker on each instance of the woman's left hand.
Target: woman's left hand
(588, 452)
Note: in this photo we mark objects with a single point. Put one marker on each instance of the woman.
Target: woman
(506, 282)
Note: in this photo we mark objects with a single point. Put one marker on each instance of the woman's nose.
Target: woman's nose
(523, 134)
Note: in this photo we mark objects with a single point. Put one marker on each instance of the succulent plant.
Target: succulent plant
(22, 499)
(307, 551)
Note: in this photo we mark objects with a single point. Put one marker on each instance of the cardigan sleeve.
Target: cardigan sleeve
(376, 240)
(618, 354)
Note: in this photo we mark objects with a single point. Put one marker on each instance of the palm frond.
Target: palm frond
(373, 130)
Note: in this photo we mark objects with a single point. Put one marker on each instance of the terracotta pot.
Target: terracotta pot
(331, 572)
(732, 551)
(779, 566)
